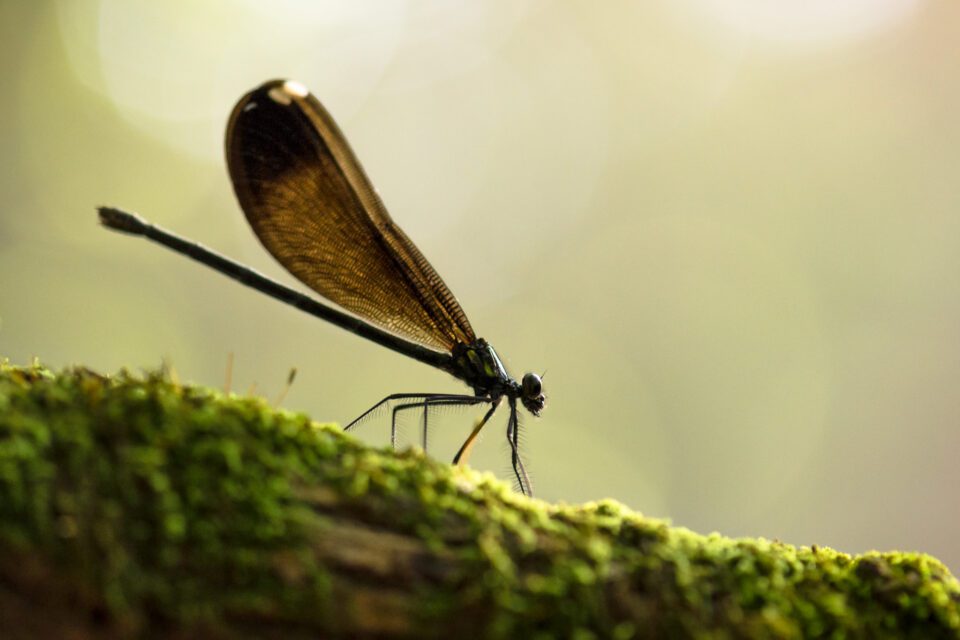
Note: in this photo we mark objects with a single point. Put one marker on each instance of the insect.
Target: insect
(314, 209)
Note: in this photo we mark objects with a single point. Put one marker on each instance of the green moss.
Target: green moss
(183, 505)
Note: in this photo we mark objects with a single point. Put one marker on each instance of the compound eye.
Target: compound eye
(531, 385)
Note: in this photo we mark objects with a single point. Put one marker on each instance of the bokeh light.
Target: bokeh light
(814, 23)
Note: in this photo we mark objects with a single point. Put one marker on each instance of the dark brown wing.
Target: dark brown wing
(312, 206)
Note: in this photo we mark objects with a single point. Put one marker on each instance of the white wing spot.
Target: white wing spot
(295, 89)
(287, 92)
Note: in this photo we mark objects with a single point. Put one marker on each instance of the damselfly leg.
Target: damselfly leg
(513, 437)
(436, 400)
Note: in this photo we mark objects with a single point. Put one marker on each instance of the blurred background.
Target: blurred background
(727, 229)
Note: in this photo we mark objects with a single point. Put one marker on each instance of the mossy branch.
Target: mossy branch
(132, 506)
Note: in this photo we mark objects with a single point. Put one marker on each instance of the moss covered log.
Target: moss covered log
(137, 506)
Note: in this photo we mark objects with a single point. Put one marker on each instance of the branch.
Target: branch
(138, 505)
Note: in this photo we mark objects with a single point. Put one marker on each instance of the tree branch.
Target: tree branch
(133, 506)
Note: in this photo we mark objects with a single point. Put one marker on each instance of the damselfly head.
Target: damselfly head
(532, 393)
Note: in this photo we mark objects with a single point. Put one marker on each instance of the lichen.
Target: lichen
(182, 506)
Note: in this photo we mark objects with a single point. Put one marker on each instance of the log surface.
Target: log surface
(133, 505)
